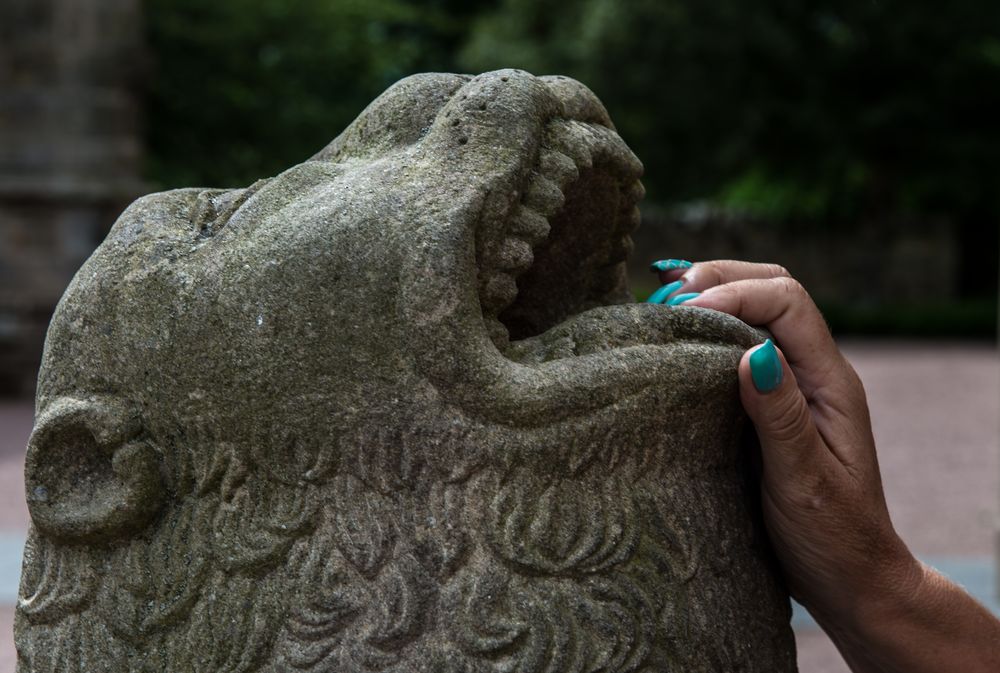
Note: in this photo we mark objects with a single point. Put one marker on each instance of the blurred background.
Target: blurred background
(854, 142)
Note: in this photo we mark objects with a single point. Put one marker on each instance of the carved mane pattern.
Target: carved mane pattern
(388, 557)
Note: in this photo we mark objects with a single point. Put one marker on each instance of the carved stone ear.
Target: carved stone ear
(88, 474)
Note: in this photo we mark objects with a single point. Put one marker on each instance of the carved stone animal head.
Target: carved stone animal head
(395, 410)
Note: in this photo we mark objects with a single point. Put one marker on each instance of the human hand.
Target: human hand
(820, 485)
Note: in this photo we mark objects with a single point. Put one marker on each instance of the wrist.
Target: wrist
(884, 614)
(891, 592)
(882, 593)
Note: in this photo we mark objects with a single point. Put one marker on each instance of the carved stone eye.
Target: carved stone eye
(89, 474)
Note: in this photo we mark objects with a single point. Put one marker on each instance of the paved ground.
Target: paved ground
(935, 414)
(7, 656)
(937, 427)
(15, 425)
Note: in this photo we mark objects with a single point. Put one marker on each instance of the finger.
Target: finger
(791, 447)
(703, 275)
(669, 270)
(784, 307)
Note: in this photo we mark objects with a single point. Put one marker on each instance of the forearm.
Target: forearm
(922, 624)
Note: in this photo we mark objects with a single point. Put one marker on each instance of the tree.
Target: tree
(242, 90)
(846, 111)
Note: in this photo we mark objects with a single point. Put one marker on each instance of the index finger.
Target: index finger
(703, 275)
(784, 307)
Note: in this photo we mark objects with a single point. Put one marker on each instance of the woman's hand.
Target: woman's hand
(820, 485)
(821, 490)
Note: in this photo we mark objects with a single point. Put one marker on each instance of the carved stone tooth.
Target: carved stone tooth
(497, 332)
(513, 255)
(628, 245)
(630, 220)
(634, 192)
(529, 225)
(499, 292)
(614, 155)
(543, 195)
(558, 167)
(571, 139)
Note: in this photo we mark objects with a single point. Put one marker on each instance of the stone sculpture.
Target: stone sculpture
(395, 410)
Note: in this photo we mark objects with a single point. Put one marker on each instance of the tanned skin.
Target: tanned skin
(822, 493)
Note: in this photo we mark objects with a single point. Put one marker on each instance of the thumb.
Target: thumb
(790, 444)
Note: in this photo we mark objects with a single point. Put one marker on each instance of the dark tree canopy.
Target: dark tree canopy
(238, 90)
(847, 111)
(782, 107)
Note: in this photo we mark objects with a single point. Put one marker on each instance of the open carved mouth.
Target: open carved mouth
(561, 247)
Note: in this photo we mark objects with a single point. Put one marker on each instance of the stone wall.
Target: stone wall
(880, 263)
(69, 155)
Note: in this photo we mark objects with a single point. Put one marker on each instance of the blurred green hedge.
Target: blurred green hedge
(240, 90)
(838, 111)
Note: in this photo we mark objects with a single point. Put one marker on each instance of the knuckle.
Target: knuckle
(778, 271)
(846, 387)
(727, 290)
(852, 377)
(818, 490)
(854, 390)
(788, 419)
(710, 273)
(791, 286)
(728, 297)
(814, 492)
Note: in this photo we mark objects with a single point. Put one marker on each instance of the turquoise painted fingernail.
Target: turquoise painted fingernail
(765, 368)
(681, 298)
(664, 292)
(669, 264)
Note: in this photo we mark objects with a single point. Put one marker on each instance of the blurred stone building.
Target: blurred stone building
(69, 155)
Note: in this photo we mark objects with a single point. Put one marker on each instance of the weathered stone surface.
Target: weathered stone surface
(314, 425)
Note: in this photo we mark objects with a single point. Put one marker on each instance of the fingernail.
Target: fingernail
(765, 368)
(681, 298)
(668, 264)
(664, 292)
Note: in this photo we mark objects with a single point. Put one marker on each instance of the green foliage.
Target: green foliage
(968, 319)
(842, 111)
(240, 90)
(784, 109)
